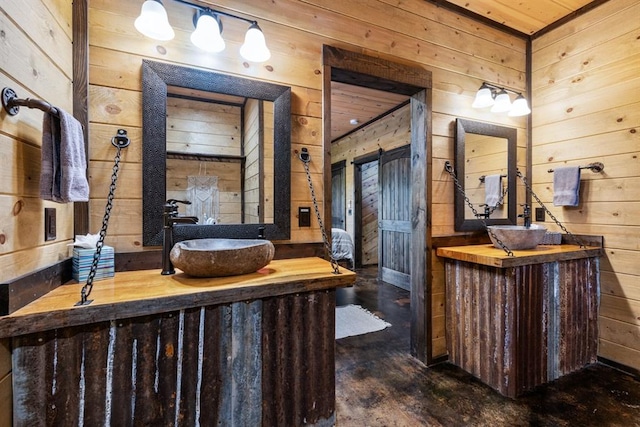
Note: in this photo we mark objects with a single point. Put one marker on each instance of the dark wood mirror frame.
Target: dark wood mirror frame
(156, 76)
(464, 127)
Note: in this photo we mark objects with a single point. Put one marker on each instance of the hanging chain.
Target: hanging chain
(305, 157)
(449, 168)
(120, 141)
(558, 223)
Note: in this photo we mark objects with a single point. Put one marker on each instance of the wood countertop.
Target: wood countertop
(146, 292)
(494, 257)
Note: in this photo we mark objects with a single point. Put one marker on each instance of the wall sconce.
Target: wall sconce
(498, 99)
(154, 23)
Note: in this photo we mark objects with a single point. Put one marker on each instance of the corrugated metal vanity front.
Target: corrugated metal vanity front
(518, 322)
(256, 349)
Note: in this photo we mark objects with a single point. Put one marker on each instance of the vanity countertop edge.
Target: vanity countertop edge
(493, 257)
(147, 292)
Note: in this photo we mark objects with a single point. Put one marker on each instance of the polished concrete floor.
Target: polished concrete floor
(379, 384)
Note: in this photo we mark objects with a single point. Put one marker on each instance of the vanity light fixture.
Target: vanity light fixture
(208, 33)
(498, 99)
(153, 22)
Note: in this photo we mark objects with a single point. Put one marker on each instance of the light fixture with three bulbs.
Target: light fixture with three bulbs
(498, 99)
(153, 22)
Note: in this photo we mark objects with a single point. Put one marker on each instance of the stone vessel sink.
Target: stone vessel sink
(517, 237)
(221, 257)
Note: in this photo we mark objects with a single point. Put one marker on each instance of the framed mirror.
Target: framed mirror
(222, 162)
(485, 164)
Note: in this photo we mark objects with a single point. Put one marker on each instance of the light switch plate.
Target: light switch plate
(539, 214)
(49, 224)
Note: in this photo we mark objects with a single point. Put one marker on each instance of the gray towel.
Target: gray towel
(492, 189)
(566, 186)
(64, 166)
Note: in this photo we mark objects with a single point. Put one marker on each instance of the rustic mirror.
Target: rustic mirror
(241, 169)
(485, 164)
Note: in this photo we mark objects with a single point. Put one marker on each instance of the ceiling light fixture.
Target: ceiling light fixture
(498, 99)
(154, 23)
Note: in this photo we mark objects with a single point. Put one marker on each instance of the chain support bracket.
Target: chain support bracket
(120, 140)
(448, 167)
(305, 158)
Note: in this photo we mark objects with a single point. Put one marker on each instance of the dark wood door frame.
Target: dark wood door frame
(413, 80)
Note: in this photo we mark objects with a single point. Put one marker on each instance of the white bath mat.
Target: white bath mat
(354, 320)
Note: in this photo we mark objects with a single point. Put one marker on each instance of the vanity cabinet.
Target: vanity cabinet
(519, 322)
(250, 350)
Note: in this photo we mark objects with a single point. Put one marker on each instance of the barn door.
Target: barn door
(394, 217)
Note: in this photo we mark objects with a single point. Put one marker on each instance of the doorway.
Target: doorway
(412, 80)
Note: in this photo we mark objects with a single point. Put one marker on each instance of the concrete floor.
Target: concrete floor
(379, 384)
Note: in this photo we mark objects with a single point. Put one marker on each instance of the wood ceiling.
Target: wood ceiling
(526, 17)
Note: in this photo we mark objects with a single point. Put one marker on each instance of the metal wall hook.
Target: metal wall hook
(120, 140)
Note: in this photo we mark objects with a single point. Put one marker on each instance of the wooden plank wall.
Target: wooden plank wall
(460, 53)
(43, 29)
(587, 108)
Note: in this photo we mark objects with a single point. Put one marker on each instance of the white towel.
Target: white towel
(492, 189)
(63, 172)
(566, 186)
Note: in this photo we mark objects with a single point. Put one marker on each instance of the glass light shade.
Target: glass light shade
(207, 33)
(153, 21)
(520, 107)
(484, 98)
(502, 102)
(254, 48)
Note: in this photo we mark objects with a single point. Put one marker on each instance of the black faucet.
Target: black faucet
(526, 215)
(170, 217)
(487, 212)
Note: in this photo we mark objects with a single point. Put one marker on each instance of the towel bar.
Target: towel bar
(12, 103)
(595, 167)
(481, 177)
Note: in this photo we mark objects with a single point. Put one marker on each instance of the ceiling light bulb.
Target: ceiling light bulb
(502, 102)
(520, 107)
(254, 48)
(153, 21)
(207, 35)
(354, 121)
(484, 97)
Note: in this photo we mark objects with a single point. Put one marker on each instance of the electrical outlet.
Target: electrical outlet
(539, 214)
(304, 217)
(49, 224)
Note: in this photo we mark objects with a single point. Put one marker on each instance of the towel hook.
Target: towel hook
(12, 103)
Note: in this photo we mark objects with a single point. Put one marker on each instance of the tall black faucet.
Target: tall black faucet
(487, 212)
(526, 215)
(170, 217)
